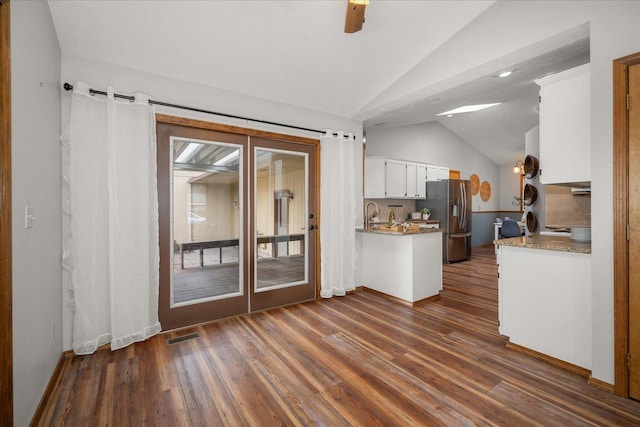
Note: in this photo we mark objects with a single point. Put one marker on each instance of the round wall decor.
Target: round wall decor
(530, 194)
(531, 165)
(475, 184)
(532, 222)
(485, 191)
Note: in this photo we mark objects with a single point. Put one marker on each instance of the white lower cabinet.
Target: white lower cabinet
(545, 302)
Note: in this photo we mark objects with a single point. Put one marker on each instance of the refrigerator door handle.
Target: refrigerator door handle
(459, 236)
(463, 193)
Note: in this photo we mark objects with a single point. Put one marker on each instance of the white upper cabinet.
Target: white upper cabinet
(437, 173)
(421, 179)
(443, 173)
(394, 179)
(565, 126)
(412, 182)
(396, 174)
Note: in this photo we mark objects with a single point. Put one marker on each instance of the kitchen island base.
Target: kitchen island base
(407, 267)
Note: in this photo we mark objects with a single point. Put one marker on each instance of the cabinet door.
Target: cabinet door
(565, 127)
(437, 173)
(411, 189)
(421, 178)
(443, 173)
(374, 178)
(432, 173)
(396, 177)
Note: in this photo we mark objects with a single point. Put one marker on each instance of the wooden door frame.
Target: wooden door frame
(6, 341)
(620, 220)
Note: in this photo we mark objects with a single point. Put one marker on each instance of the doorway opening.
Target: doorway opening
(626, 159)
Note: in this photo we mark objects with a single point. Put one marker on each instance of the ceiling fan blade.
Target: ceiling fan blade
(355, 17)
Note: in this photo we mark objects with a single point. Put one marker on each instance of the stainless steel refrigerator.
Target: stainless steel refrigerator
(449, 201)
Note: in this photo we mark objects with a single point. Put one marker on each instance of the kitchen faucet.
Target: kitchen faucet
(366, 213)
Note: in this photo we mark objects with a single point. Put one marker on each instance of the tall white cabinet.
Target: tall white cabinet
(565, 126)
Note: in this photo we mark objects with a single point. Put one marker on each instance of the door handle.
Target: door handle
(313, 227)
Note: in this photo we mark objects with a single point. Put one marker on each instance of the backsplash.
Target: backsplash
(405, 207)
(564, 209)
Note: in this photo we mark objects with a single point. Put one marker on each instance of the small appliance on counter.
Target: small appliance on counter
(449, 201)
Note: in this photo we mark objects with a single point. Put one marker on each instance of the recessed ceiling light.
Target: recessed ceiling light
(506, 73)
(467, 109)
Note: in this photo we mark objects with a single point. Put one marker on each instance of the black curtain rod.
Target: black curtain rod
(68, 87)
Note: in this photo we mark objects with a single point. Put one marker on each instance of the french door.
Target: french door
(237, 220)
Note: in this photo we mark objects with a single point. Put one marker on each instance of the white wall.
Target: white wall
(614, 34)
(37, 275)
(509, 188)
(532, 147)
(124, 80)
(433, 143)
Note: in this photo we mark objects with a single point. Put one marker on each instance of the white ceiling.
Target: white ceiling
(296, 52)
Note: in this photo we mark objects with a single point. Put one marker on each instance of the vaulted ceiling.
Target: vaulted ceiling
(296, 52)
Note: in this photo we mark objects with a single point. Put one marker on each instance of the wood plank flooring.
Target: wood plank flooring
(360, 360)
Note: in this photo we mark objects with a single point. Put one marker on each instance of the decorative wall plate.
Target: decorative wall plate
(485, 191)
(475, 184)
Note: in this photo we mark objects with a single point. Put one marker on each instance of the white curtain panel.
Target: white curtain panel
(111, 247)
(338, 214)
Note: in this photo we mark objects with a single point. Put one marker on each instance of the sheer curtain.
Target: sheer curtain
(111, 251)
(338, 214)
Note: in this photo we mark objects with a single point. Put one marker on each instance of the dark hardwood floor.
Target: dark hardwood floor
(355, 360)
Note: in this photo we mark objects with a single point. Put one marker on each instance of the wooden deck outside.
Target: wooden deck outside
(215, 278)
(357, 360)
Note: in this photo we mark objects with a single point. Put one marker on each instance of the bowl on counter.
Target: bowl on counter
(581, 234)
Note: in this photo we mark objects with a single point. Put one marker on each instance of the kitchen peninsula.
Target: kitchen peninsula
(544, 297)
(404, 265)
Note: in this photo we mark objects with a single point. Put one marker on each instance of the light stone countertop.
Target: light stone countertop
(371, 229)
(552, 243)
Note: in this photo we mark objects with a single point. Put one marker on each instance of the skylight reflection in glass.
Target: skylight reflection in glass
(205, 155)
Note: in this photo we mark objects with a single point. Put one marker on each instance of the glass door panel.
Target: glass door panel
(202, 210)
(206, 221)
(283, 209)
(280, 218)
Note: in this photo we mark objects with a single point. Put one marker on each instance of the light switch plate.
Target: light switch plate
(28, 216)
